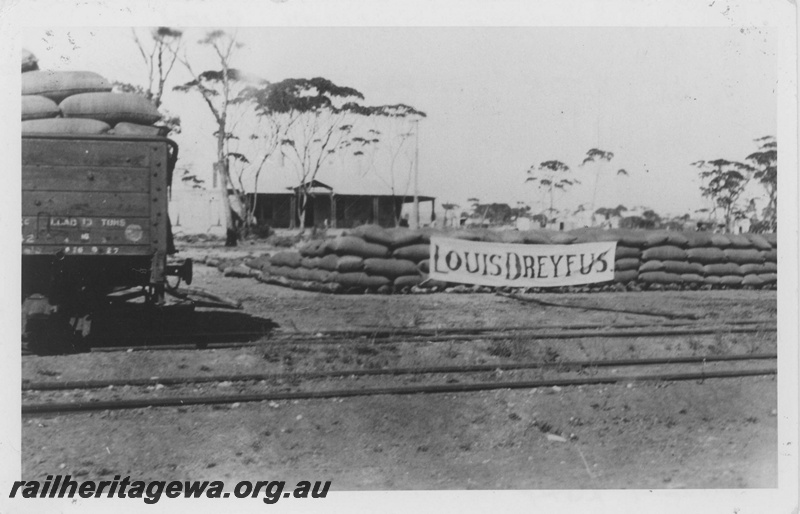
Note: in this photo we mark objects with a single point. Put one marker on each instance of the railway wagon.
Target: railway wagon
(94, 221)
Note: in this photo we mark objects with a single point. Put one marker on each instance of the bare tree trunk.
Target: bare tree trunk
(483, 216)
(231, 236)
(302, 206)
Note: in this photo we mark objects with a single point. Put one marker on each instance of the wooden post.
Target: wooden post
(292, 211)
(333, 210)
(376, 212)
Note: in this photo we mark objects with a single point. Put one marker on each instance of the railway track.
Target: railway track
(743, 368)
(211, 340)
(380, 332)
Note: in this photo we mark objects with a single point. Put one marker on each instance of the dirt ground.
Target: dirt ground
(717, 433)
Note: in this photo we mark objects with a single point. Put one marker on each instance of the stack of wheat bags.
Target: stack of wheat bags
(81, 102)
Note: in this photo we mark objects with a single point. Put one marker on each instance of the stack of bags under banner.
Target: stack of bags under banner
(81, 102)
(374, 259)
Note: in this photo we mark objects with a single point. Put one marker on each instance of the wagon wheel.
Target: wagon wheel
(45, 331)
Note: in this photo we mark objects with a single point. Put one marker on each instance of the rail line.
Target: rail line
(52, 385)
(419, 331)
(381, 332)
(441, 336)
(77, 407)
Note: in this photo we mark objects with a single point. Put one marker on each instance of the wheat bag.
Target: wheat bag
(562, 238)
(407, 281)
(349, 264)
(752, 280)
(404, 237)
(351, 245)
(651, 265)
(311, 248)
(29, 61)
(720, 241)
(310, 262)
(328, 263)
(626, 264)
(759, 241)
(676, 239)
(535, 237)
(416, 253)
(635, 238)
(65, 126)
(373, 234)
(709, 255)
(741, 256)
(290, 259)
(739, 241)
(627, 252)
(691, 278)
(134, 129)
(682, 267)
(258, 262)
(360, 279)
(470, 235)
(768, 278)
(770, 267)
(664, 253)
(390, 268)
(697, 239)
(321, 276)
(730, 280)
(728, 268)
(301, 274)
(281, 271)
(748, 269)
(626, 276)
(37, 107)
(660, 277)
(58, 85)
(506, 237)
(112, 108)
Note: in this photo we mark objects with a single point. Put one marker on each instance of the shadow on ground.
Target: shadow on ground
(135, 326)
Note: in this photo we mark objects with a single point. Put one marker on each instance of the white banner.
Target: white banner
(520, 265)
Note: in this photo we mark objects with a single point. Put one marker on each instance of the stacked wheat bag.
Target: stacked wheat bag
(373, 259)
(729, 260)
(368, 259)
(81, 102)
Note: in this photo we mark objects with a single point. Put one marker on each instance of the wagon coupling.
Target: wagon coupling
(182, 270)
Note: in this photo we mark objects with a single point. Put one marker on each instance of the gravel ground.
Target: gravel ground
(718, 433)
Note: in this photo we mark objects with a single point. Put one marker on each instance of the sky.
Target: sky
(498, 101)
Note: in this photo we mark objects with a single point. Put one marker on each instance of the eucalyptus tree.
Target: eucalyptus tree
(602, 158)
(317, 120)
(724, 182)
(383, 145)
(765, 162)
(313, 118)
(159, 52)
(221, 89)
(551, 176)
